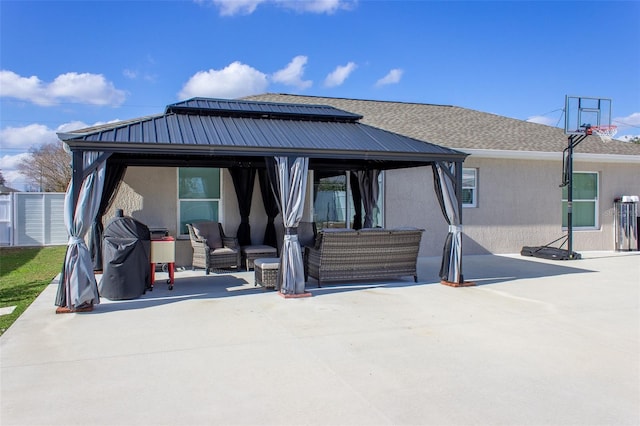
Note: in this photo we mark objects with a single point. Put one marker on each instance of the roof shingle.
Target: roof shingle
(459, 128)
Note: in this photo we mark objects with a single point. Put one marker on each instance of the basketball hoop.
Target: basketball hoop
(606, 133)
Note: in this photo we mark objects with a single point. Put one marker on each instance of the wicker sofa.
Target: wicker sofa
(346, 255)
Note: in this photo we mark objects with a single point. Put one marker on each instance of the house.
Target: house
(511, 190)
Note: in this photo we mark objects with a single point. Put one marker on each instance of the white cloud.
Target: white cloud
(627, 138)
(130, 74)
(26, 88)
(10, 162)
(136, 75)
(549, 121)
(34, 135)
(339, 75)
(233, 81)
(317, 6)
(21, 139)
(27, 136)
(83, 88)
(291, 75)
(235, 7)
(632, 120)
(392, 77)
(247, 7)
(9, 168)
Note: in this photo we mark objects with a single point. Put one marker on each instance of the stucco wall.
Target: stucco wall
(519, 203)
(410, 200)
(149, 194)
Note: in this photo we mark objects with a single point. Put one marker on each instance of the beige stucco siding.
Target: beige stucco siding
(410, 200)
(518, 204)
(149, 194)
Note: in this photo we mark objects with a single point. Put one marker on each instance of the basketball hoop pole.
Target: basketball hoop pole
(573, 141)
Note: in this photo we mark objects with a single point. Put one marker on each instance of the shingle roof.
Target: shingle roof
(459, 128)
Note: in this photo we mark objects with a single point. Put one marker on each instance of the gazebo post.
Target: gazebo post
(458, 168)
(77, 175)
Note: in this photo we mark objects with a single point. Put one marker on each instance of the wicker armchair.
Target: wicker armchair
(211, 248)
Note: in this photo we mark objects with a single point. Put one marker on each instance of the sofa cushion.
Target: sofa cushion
(209, 231)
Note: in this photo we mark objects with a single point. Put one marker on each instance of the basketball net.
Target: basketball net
(606, 133)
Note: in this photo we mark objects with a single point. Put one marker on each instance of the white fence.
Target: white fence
(32, 219)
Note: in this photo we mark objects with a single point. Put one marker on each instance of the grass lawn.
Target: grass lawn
(24, 273)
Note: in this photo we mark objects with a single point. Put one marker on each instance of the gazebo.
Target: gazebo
(284, 140)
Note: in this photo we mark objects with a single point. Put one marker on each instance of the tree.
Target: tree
(635, 139)
(47, 168)
(2, 181)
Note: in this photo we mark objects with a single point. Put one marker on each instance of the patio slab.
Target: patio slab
(536, 342)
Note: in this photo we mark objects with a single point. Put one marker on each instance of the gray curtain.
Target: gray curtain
(369, 190)
(291, 173)
(112, 178)
(357, 201)
(243, 180)
(446, 179)
(270, 206)
(78, 287)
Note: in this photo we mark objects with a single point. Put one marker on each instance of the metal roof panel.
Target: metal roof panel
(244, 108)
(241, 135)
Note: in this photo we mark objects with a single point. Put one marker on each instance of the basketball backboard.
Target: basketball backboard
(581, 112)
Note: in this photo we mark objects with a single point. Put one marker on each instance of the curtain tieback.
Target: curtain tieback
(291, 231)
(455, 229)
(75, 240)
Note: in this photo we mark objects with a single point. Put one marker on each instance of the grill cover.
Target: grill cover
(126, 248)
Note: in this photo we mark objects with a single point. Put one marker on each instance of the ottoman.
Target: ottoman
(250, 253)
(266, 271)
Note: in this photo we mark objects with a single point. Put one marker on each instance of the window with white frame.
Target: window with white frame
(585, 201)
(469, 187)
(198, 196)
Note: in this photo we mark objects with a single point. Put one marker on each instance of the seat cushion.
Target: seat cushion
(223, 250)
(258, 249)
(268, 263)
(209, 231)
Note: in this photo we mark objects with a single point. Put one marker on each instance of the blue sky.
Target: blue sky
(72, 64)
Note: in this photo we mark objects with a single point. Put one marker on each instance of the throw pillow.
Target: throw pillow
(209, 231)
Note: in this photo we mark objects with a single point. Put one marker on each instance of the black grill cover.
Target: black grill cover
(126, 254)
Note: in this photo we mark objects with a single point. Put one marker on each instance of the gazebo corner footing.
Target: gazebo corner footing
(461, 284)
(65, 310)
(295, 296)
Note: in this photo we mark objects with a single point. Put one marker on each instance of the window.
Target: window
(198, 195)
(333, 204)
(585, 201)
(469, 187)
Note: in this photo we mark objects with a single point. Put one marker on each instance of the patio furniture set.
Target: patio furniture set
(330, 255)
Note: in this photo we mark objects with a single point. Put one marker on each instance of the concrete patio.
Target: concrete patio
(534, 343)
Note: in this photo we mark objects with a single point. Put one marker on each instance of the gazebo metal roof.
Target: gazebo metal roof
(235, 131)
